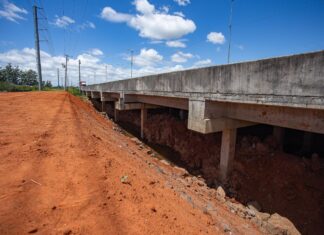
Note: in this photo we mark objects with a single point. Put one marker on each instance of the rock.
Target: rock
(67, 232)
(226, 228)
(149, 152)
(201, 183)
(183, 172)
(263, 216)
(281, 226)
(254, 205)
(165, 162)
(220, 194)
(34, 230)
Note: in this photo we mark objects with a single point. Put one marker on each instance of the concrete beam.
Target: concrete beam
(227, 152)
(95, 94)
(133, 106)
(172, 102)
(200, 119)
(311, 120)
(104, 96)
(143, 119)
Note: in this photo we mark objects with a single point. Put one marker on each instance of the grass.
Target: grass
(9, 87)
(74, 91)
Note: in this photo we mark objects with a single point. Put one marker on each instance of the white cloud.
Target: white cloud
(147, 57)
(165, 9)
(151, 23)
(110, 14)
(216, 38)
(179, 13)
(144, 7)
(12, 12)
(63, 21)
(181, 57)
(96, 52)
(201, 63)
(182, 2)
(86, 25)
(176, 43)
(162, 26)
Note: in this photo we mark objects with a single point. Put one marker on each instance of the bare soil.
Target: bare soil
(65, 169)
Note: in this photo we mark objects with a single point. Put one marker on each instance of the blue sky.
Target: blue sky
(165, 35)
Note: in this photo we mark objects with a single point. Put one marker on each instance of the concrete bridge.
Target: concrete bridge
(283, 92)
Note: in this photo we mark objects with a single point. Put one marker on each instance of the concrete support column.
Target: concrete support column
(143, 119)
(115, 114)
(227, 152)
(278, 134)
(103, 106)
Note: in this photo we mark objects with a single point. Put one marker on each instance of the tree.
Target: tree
(28, 78)
(10, 74)
(48, 84)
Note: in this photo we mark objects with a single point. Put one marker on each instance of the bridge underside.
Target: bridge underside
(207, 116)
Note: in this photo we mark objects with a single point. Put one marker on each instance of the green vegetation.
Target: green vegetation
(74, 91)
(15, 79)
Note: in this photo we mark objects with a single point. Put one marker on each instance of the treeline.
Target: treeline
(14, 79)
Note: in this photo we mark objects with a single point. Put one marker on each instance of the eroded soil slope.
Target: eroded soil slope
(64, 169)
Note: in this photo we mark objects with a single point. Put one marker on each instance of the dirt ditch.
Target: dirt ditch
(277, 182)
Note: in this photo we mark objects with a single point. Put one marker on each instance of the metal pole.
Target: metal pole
(38, 60)
(58, 77)
(79, 75)
(230, 33)
(65, 79)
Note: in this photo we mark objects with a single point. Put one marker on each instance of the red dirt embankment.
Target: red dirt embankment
(65, 170)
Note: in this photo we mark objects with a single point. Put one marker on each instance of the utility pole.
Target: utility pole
(79, 75)
(58, 77)
(65, 66)
(230, 32)
(38, 59)
(132, 57)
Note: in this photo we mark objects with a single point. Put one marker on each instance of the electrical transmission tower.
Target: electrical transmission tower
(65, 67)
(230, 33)
(38, 59)
(58, 77)
(79, 75)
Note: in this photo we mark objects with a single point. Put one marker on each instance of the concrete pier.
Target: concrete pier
(287, 92)
(143, 119)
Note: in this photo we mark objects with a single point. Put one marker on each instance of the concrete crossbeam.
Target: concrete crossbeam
(201, 120)
(311, 120)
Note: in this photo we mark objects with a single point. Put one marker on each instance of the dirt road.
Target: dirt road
(65, 169)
